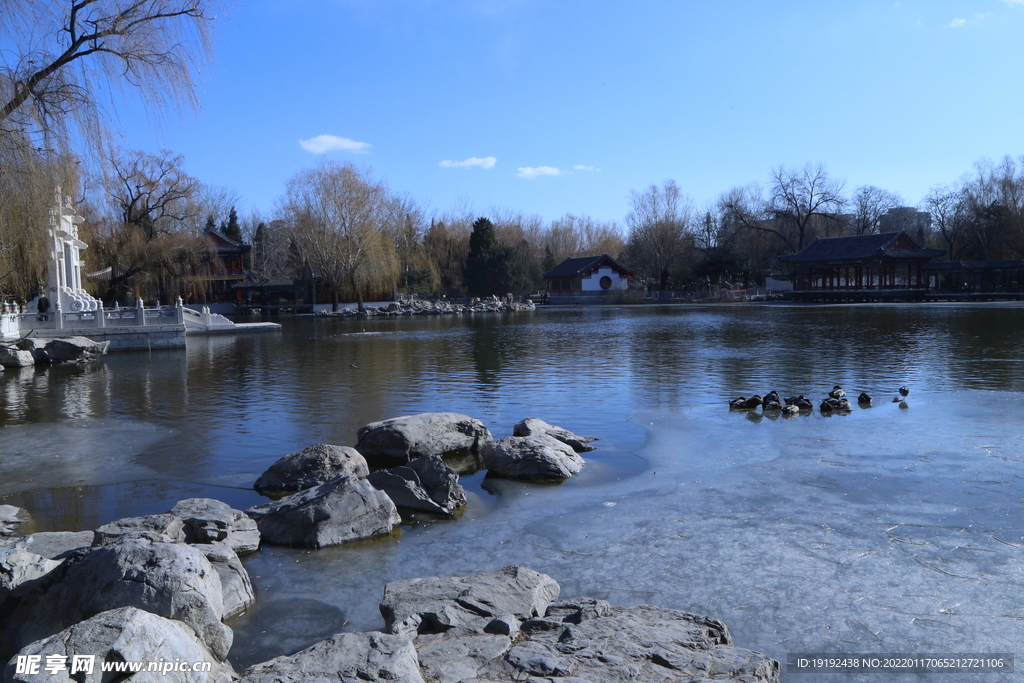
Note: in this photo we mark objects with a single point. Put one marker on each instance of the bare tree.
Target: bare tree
(340, 217)
(870, 203)
(659, 229)
(146, 245)
(60, 57)
(802, 197)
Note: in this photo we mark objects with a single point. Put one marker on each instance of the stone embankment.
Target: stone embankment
(160, 587)
(420, 307)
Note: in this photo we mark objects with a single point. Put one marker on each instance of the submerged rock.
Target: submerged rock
(532, 425)
(455, 437)
(531, 458)
(74, 349)
(126, 634)
(340, 510)
(210, 521)
(426, 484)
(310, 467)
(344, 658)
(13, 521)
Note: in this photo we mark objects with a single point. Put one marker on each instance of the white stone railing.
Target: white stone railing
(137, 316)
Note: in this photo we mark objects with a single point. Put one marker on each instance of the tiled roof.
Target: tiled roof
(572, 267)
(859, 247)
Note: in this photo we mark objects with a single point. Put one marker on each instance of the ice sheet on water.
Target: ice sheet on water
(74, 453)
(887, 530)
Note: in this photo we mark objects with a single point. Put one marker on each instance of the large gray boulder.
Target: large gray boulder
(211, 521)
(19, 566)
(236, 588)
(11, 357)
(74, 349)
(340, 510)
(531, 458)
(173, 580)
(13, 521)
(437, 604)
(165, 527)
(344, 658)
(35, 346)
(124, 635)
(532, 425)
(455, 437)
(426, 484)
(310, 467)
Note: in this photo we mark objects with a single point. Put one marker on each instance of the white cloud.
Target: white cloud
(581, 167)
(322, 144)
(957, 23)
(531, 172)
(485, 162)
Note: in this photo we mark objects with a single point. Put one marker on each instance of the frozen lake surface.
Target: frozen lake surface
(892, 529)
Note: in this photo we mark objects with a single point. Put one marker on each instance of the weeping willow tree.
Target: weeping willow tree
(59, 60)
(341, 220)
(28, 182)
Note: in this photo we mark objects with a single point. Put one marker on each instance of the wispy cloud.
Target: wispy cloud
(581, 167)
(322, 144)
(472, 162)
(957, 23)
(531, 172)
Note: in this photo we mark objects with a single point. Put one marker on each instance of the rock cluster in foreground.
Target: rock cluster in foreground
(158, 589)
(508, 626)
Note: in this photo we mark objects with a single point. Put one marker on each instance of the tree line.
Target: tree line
(145, 217)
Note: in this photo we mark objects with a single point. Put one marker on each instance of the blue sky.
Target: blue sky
(595, 99)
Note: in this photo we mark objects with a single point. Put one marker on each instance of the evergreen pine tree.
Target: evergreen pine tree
(233, 231)
(484, 249)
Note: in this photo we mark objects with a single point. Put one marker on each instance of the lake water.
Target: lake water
(896, 528)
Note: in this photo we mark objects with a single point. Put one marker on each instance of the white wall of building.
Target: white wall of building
(592, 282)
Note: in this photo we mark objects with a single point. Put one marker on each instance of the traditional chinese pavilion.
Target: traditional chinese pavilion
(883, 267)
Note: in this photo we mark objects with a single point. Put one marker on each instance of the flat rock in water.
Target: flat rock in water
(532, 425)
(210, 521)
(644, 644)
(15, 358)
(163, 527)
(13, 521)
(344, 658)
(426, 484)
(310, 467)
(531, 458)
(54, 545)
(436, 604)
(126, 634)
(74, 348)
(173, 580)
(455, 437)
(340, 510)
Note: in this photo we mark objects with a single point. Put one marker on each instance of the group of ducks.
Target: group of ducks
(835, 402)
